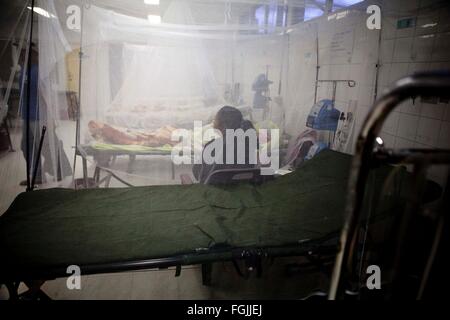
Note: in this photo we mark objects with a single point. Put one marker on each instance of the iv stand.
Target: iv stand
(350, 84)
(28, 97)
(78, 111)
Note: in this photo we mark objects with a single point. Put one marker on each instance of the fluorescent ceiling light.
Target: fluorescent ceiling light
(154, 18)
(429, 25)
(332, 16)
(346, 3)
(341, 15)
(379, 141)
(42, 12)
(152, 2)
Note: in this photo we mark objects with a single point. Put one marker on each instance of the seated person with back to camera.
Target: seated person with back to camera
(227, 118)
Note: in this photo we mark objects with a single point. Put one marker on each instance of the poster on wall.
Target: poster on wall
(341, 46)
(346, 128)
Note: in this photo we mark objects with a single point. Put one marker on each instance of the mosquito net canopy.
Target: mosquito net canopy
(145, 77)
(139, 79)
(126, 77)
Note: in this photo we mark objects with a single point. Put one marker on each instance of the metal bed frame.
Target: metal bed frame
(112, 154)
(318, 253)
(246, 260)
(368, 155)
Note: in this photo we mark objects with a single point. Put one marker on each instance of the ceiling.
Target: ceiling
(203, 11)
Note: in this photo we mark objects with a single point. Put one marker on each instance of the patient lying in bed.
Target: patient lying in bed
(123, 136)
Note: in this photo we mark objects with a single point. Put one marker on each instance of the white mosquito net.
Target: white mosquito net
(138, 78)
(118, 81)
(144, 77)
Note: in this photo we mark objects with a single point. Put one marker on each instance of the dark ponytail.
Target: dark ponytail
(246, 125)
(231, 118)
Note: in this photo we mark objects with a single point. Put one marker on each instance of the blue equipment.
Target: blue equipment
(323, 116)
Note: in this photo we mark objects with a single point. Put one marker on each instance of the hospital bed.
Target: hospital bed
(177, 112)
(105, 155)
(114, 230)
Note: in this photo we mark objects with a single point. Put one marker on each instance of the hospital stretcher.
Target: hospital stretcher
(122, 229)
(371, 154)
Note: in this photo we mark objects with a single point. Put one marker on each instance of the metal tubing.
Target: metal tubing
(38, 157)
(27, 138)
(420, 84)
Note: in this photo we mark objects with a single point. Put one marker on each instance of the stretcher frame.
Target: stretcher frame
(369, 155)
(113, 154)
(318, 252)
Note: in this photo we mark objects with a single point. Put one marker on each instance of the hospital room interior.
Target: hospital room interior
(224, 149)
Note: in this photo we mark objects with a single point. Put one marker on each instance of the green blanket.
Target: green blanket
(61, 227)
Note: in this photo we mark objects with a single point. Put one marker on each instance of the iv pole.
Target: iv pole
(27, 128)
(78, 111)
(32, 179)
(350, 84)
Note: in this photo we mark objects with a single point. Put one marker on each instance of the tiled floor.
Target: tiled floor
(12, 171)
(156, 284)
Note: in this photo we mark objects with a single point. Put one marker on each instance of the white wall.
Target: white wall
(425, 46)
(347, 51)
(404, 51)
(300, 77)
